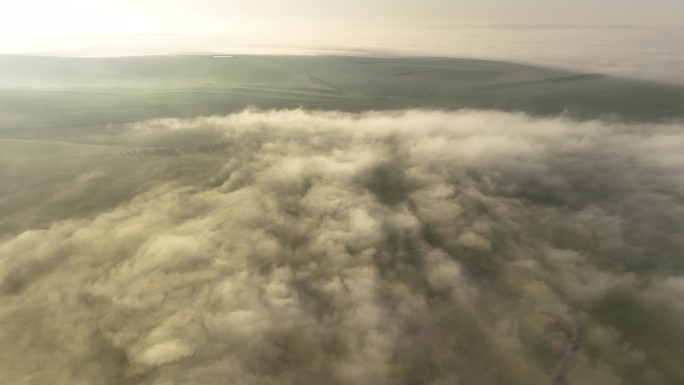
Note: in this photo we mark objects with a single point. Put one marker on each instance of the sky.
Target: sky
(634, 38)
(87, 18)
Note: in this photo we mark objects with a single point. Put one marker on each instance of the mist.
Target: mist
(649, 53)
(403, 247)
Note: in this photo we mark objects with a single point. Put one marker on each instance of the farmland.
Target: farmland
(63, 98)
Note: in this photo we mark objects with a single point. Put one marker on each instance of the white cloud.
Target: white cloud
(324, 247)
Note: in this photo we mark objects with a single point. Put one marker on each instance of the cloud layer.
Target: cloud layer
(379, 248)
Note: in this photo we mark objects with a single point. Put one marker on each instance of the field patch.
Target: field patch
(11, 149)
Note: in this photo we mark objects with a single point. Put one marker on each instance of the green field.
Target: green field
(42, 182)
(62, 98)
(19, 149)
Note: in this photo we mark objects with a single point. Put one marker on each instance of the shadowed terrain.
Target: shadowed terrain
(57, 98)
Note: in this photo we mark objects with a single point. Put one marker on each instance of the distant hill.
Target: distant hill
(53, 97)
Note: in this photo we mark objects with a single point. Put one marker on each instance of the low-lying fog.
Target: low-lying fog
(296, 247)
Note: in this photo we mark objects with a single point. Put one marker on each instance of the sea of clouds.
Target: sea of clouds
(407, 247)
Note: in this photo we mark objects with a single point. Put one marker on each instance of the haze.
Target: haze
(634, 38)
(87, 18)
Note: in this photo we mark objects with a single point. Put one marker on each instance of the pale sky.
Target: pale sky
(578, 34)
(227, 17)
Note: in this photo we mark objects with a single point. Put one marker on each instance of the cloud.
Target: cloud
(289, 247)
(647, 53)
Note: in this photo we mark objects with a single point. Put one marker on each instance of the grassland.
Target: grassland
(61, 98)
(18, 149)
